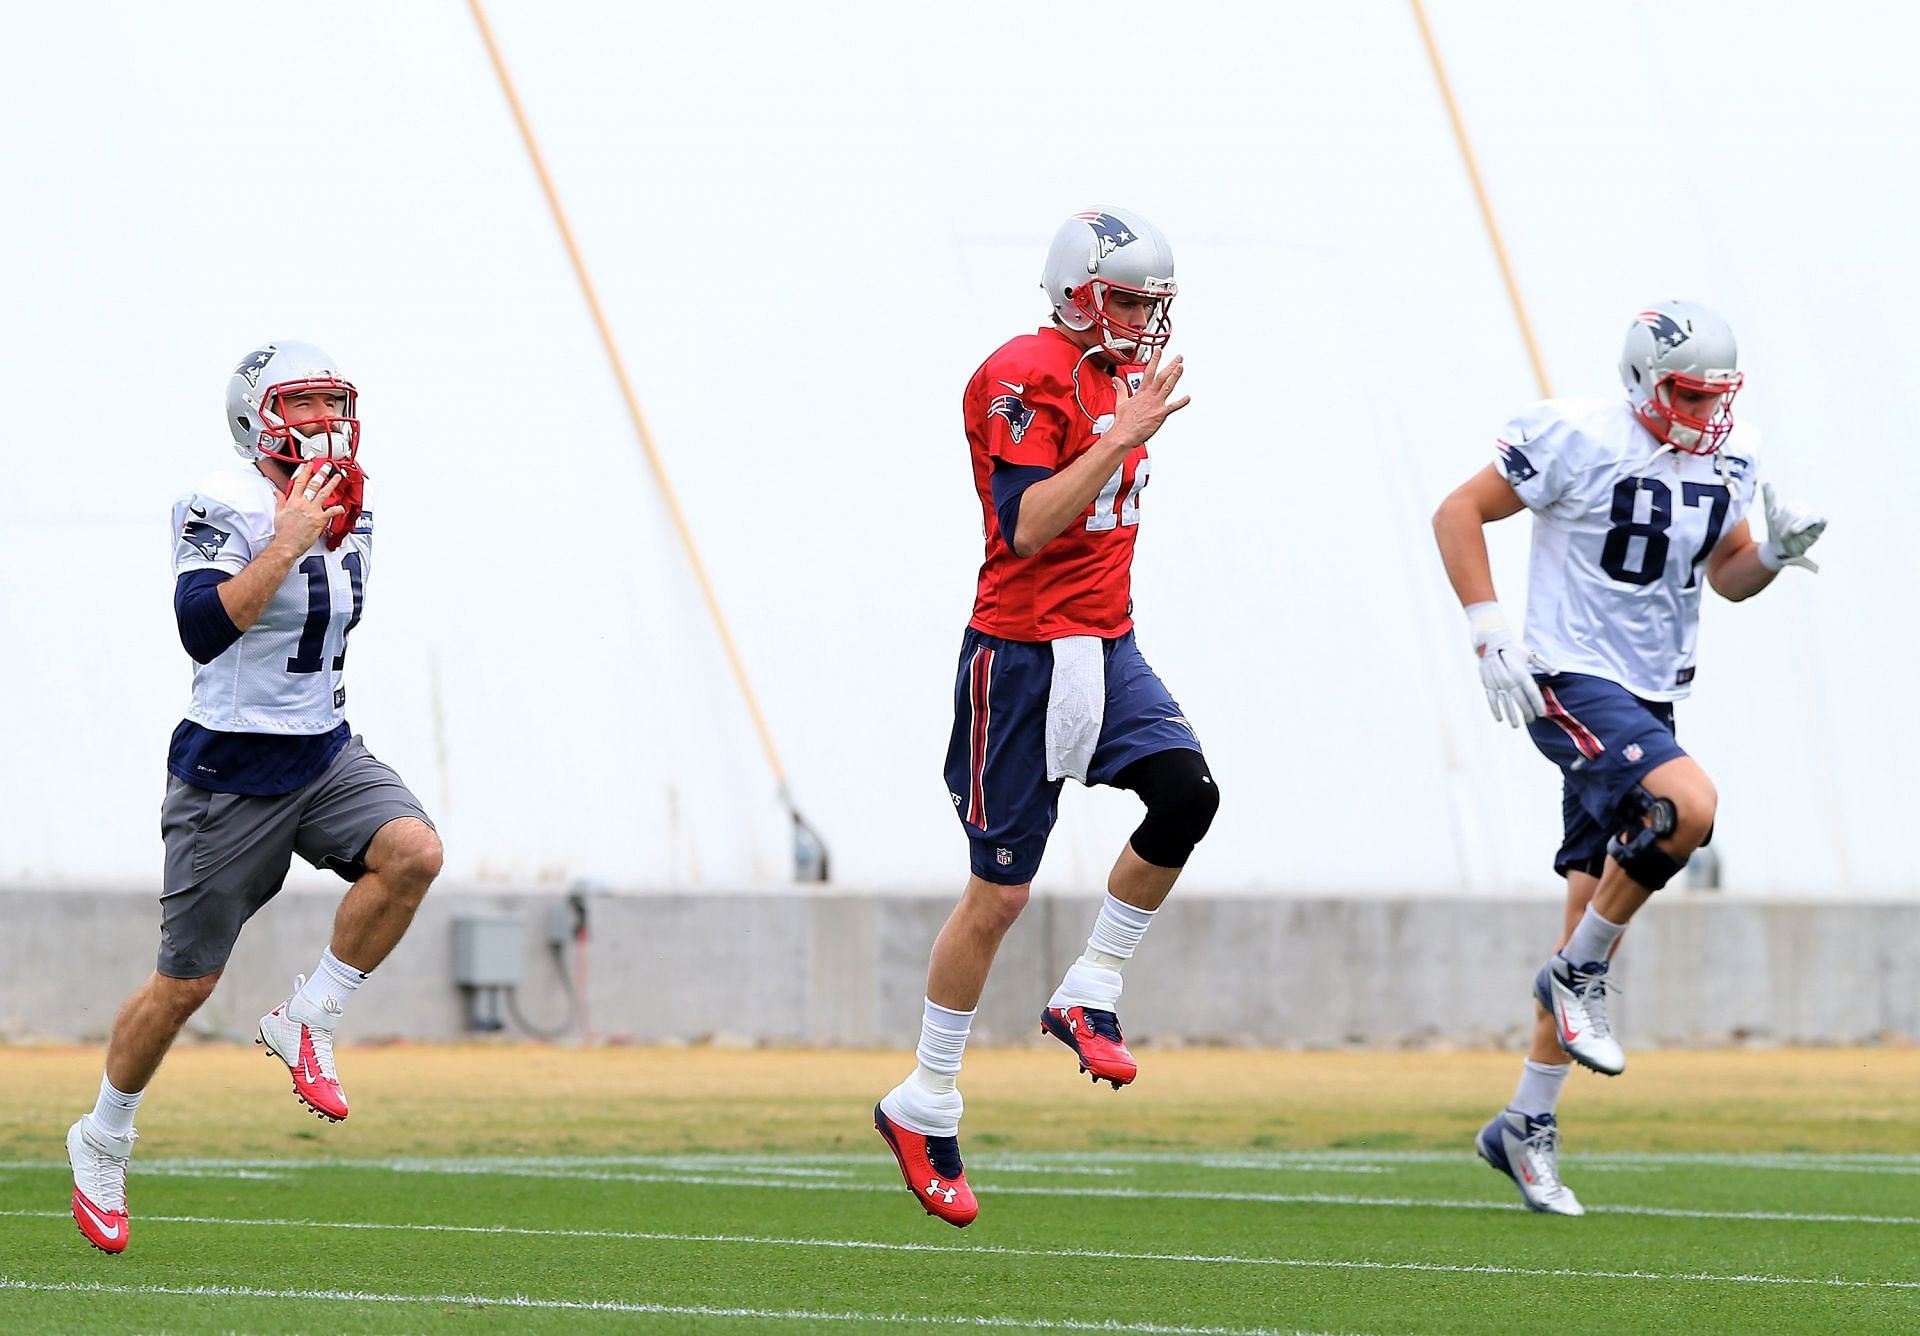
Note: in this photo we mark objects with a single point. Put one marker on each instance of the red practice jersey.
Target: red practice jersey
(1020, 408)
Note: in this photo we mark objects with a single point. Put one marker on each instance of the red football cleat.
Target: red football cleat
(932, 1168)
(307, 1050)
(100, 1185)
(1094, 1037)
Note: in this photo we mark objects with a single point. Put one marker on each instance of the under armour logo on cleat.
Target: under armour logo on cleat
(933, 1189)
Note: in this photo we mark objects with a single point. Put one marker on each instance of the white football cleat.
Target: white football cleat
(1576, 997)
(292, 1033)
(1526, 1149)
(100, 1184)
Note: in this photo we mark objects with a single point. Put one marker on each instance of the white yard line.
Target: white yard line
(743, 1179)
(1157, 1194)
(620, 1306)
(1086, 1254)
(1327, 1161)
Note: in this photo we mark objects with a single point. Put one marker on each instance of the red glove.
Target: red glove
(349, 495)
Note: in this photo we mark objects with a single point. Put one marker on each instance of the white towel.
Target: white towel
(1076, 705)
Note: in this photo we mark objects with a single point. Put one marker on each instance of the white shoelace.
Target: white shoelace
(323, 1052)
(1543, 1146)
(1592, 990)
(103, 1176)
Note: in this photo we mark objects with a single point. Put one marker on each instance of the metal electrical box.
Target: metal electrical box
(489, 949)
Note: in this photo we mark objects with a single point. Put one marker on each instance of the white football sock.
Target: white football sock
(1116, 933)
(327, 989)
(1593, 939)
(113, 1114)
(1540, 1086)
(1088, 985)
(943, 1039)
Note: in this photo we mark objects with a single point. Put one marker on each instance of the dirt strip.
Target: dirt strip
(525, 1100)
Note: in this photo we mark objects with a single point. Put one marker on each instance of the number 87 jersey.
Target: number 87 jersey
(1622, 528)
(284, 674)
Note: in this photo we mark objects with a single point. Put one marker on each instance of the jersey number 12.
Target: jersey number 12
(1103, 517)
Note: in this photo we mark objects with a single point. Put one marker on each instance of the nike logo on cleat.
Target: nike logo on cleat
(108, 1231)
(1567, 1032)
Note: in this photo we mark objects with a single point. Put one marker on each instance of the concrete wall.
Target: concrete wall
(848, 969)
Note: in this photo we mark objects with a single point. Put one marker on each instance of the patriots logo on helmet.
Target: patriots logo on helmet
(1019, 417)
(1667, 332)
(1111, 232)
(204, 538)
(256, 363)
(1518, 467)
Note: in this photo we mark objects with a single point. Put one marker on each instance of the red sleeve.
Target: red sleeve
(1020, 419)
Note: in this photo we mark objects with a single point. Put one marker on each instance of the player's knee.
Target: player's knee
(183, 997)
(999, 905)
(1181, 799)
(1694, 814)
(413, 856)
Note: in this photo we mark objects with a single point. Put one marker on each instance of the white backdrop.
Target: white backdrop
(808, 226)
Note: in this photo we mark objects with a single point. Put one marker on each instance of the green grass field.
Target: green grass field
(411, 1217)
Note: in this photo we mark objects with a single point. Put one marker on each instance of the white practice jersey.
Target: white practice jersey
(284, 674)
(1621, 533)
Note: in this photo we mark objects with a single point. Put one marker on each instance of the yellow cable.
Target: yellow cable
(633, 403)
(1486, 207)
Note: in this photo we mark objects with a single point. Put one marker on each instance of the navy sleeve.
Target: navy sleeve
(1010, 483)
(205, 628)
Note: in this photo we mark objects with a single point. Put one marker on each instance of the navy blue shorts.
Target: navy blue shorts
(997, 759)
(1604, 739)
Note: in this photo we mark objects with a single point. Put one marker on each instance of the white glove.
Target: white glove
(1506, 667)
(1791, 530)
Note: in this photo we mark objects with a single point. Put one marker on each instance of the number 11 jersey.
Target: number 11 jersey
(285, 674)
(1621, 534)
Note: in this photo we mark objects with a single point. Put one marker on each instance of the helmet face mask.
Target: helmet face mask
(293, 437)
(1682, 346)
(1127, 341)
(1098, 253)
(262, 425)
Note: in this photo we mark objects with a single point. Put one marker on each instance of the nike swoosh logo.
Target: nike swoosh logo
(1566, 1030)
(110, 1232)
(1021, 388)
(201, 511)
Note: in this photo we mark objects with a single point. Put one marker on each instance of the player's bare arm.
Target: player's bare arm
(1457, 524)
(1048, 507)
(304, 511)
(1506, 664)
(1734, 569)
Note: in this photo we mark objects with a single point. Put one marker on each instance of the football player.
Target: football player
(1638, 503)
(271, 560)
(1051, 684)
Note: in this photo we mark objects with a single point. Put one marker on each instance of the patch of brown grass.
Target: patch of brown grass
(220, 1100)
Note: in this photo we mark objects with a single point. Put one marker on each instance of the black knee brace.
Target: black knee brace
(1636, 847)
(1181, 799)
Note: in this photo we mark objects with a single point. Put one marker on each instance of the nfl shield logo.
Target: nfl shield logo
(1004, 857)
(1633, 752)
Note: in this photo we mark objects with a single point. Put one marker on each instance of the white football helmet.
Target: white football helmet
(257, 391)
(1681, 344)
(1108, 250)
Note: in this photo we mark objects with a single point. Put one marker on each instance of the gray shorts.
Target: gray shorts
(228, 853)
